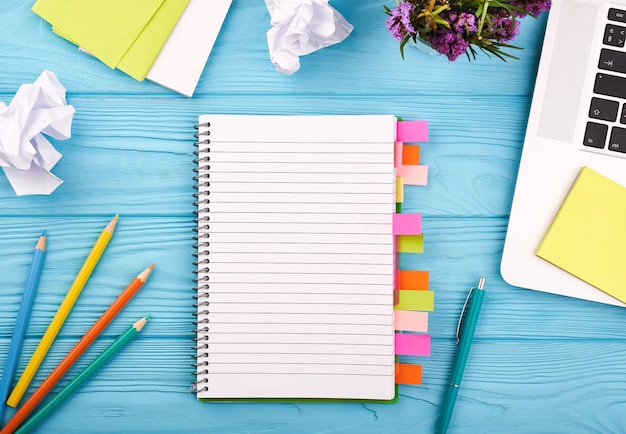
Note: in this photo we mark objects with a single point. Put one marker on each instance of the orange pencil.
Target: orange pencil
(22, 413)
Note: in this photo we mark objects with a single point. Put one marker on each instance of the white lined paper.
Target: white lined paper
(296, 256)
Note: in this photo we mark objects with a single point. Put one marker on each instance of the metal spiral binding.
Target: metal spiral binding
(201, 246)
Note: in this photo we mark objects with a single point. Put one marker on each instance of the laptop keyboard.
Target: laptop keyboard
(607, 127)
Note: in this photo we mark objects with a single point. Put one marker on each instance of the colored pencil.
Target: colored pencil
(83, 376)
(62, 313)
(21, 321)
(70, 358)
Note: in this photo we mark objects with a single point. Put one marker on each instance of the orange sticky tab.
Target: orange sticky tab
(408, 374)
(412, 279)
(410, 155)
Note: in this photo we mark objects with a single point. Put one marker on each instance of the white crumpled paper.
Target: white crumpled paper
(26, 156)
(300, 27)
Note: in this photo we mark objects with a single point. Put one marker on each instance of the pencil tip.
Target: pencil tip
(145, 273)
(111, 226)
(43, 233)
(140, 323)
(148, 316)
(41, 243)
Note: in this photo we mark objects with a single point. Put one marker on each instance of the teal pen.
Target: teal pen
(464, 335)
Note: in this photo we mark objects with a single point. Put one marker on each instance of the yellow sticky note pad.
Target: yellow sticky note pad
(588, 234)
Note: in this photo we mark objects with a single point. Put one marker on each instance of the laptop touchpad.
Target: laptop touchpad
(567, 71)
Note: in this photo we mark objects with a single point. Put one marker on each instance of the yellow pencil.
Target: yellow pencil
(62, 313)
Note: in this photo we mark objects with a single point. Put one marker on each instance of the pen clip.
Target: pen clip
(481, 285)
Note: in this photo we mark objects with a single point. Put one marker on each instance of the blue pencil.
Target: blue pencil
(20, 323)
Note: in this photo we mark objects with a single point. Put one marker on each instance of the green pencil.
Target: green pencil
(84, 375)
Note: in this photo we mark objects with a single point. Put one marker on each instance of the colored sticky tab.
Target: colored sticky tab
(399, 189)
(416, 300)
(410, 155)
(408, 374)
(413, 175)
(412, 131)
(410, 244)
(407, 224)
(412, 279)
(398, 207)
(407, 344)
(398, 153)
(411, 321)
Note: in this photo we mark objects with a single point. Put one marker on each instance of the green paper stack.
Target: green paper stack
(123, 34)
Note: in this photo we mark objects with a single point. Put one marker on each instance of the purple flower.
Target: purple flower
(399, 21)
(532, 7)
(448, 42)
(504, 28)
(465, 23)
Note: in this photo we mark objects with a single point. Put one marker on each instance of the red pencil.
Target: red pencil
(22, 413)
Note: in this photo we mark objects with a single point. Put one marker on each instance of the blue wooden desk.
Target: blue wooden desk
(540, 363)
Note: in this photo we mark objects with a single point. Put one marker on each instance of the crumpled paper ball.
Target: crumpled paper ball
(300, 27)
(26, 155)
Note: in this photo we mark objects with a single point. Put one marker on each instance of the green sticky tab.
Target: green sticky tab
(399, 208)
(411, 243)
(416, 300)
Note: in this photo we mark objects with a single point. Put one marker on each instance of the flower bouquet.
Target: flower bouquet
(454, 27)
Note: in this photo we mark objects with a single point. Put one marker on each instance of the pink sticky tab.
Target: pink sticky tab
(399, 146)
(407, 224)
(412, 345)
(412, 131)
(413, 175)
(411, 320)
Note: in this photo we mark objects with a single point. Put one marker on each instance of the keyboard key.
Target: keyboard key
(617, 142)
(614, 35)
(612, 60)
(603, 109)
(622, 119)
(610, 85)
(595, 135)
(617, 15)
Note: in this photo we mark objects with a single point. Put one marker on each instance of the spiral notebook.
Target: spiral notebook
(295, 257)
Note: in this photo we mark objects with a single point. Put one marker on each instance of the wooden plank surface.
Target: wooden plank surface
(540, 363)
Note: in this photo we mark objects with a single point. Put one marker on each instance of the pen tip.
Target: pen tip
(481, 283)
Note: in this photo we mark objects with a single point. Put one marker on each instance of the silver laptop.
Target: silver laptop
(577, 118)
